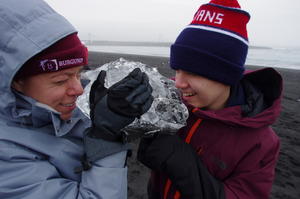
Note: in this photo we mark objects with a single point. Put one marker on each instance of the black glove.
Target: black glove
(178, 160)
(114, 108)
(110, 111)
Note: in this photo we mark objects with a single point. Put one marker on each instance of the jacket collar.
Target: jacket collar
(33, 114)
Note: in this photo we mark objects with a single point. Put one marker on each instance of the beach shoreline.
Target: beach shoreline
(287, 127)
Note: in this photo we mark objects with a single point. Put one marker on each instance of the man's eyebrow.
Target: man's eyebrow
(66, 73)
(60, 74)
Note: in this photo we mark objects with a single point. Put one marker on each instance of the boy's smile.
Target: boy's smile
(200, 91)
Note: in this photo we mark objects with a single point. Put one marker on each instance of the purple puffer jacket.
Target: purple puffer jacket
(240, 151)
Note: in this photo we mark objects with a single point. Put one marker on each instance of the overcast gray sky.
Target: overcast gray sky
(273, 23)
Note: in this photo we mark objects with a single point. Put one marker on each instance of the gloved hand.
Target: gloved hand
(179, 162)
(111, 110)
(114, 108)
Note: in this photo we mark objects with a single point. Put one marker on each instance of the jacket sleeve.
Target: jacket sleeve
(28, 175)
(254, 175)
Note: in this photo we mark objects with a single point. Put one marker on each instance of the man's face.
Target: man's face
(59, 90)
(200, 91)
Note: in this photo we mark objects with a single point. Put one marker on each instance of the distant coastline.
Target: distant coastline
(141, 43)
(277, 57)
(125, 43)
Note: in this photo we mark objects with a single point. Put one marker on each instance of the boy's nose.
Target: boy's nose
(180, 79)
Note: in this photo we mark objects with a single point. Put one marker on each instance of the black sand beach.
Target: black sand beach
(287, 127)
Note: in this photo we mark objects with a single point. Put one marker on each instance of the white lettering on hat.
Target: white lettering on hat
(54, 65)
(219, 18)
(70, 62)
(212, 17)
(199, 15)
(49, 65)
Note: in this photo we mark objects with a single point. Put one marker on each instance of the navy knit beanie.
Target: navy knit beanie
(215, 44)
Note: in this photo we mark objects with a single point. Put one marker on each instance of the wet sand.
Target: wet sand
(287, 127)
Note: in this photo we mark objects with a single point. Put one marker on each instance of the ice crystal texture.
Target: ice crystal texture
(167, 111)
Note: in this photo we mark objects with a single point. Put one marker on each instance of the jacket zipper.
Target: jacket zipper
(187, 140)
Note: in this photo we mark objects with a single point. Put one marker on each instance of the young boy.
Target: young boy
(227, 149)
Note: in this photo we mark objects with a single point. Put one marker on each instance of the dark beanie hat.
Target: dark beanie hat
(66, 53)
(215, 44)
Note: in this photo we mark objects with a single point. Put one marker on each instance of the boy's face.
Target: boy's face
(200, 91)
(59, 90)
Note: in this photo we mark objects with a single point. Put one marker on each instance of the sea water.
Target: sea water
(268, 57)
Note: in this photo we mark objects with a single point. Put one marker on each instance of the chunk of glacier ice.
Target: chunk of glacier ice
(167, 112)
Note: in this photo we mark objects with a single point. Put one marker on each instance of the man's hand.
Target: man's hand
(179, 162)
(114, 108)
(111, 110)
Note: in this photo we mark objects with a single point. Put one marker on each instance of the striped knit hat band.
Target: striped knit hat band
(215, 43)
(226, 20)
